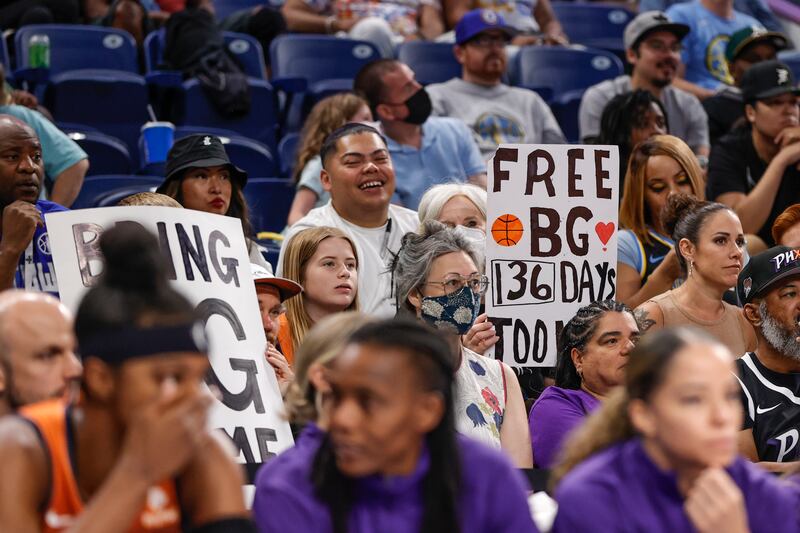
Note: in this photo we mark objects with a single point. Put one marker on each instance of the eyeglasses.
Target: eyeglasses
(661, 46)
(485, 41)
(454, 283)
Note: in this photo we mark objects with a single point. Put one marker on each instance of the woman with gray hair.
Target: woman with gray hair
(462, 205)
(438, 279)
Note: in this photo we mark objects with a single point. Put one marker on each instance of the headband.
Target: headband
(115, 346)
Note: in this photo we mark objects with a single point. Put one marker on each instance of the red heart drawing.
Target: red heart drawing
(604, 230)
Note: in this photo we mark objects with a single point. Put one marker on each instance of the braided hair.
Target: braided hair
(577, 333)
(429, 355)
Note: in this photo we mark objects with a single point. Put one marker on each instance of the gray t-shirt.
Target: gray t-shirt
(496, 115)
(686, 116)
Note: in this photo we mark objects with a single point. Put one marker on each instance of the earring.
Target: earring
(691, 267)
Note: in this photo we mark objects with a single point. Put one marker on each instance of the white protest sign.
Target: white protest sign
(210, 266)
(551, 247)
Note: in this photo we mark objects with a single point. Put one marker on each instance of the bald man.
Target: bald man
(25, 258)
(37, 349)
(65, 162)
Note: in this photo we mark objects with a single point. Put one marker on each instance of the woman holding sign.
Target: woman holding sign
(661, 453)
(438, 279)
(593, 351)
(646, 264)
(710, 250)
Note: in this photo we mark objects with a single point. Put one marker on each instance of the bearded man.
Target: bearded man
(769, 289)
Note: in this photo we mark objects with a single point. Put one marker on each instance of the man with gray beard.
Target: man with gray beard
(769, 289)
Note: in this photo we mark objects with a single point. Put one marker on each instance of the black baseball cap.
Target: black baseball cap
(766, 269)
(767, 79)
(199, 151)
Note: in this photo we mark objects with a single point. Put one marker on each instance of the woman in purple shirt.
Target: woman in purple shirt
(594, 348)
(392, 461)
(660, 454)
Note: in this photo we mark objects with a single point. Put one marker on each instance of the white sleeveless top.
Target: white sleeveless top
(480, 397)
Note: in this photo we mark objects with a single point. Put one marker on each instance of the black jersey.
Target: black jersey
(771, 408)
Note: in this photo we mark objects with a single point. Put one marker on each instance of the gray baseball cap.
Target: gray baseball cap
(650, 21)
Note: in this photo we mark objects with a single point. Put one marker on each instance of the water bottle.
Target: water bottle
(39, 51)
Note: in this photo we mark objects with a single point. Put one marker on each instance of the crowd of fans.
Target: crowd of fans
(672, 408)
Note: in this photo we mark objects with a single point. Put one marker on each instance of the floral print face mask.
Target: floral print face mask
(454, 312)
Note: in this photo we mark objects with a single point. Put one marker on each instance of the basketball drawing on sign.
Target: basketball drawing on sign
(507, 230)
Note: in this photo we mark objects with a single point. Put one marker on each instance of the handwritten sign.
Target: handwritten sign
(551, 244)
(209, 264)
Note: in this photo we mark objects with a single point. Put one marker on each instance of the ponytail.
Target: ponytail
(647, 368)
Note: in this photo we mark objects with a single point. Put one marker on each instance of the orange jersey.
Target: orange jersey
(161, 512)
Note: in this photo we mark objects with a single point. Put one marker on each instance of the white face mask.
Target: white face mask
(475, 236)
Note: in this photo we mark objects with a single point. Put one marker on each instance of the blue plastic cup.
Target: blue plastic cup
(157, 139)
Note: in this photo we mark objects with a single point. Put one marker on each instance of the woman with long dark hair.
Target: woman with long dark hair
(661, 453)
(200, 176)
(392, 460)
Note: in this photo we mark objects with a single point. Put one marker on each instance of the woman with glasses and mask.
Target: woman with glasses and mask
(462, 205)
(438, 279)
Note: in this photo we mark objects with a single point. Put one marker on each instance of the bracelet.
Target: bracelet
(329, 22)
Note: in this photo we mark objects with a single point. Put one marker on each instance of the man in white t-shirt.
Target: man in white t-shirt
(357, 171)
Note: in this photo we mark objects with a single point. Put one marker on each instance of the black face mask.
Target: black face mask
(419, 107)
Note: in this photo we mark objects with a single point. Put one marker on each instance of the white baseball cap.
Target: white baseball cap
(286, 287)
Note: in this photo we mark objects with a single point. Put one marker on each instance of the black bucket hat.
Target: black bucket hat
(199, 151)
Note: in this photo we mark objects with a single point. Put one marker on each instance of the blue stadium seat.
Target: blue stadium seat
(253, 157)
(567, 72)
(96, 187)
(269, 200)
(310, 67)
(260, 124)
(594, 25)
(112, 198)
(244, 48)
(317, 58)
(563, 69)
(107, 154)
(431, 62)
(114, 102)
(287, 153)
(74, 47)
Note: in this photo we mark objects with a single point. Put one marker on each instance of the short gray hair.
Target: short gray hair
(432, 202)
(412, 264)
